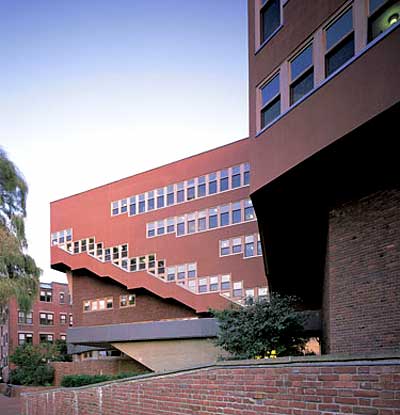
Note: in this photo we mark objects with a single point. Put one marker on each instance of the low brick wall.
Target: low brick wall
(111, 366)
(284, 386)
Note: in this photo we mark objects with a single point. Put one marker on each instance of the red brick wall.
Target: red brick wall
(96, 367)
(148, 307)
(363, 285)
(372, 388)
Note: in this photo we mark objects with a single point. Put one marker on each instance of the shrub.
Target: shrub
(73, 381)
(262, 329)
(41, 375)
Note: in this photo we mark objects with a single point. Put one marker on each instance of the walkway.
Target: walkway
(10, 406)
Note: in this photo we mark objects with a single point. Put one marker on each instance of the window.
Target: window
(46, 338)
(301, 74)
(270, 101)
(142, 204)
(270, 18)
(202, 221)
(25, 318)
(213, 283)
(201, 186)
(259, 248)
(192, 270)
(181, 272)
(235, 181)
(107, 255)
(63, 337)
(160, 227)
(170, 195)
(133, 265)
(142, 263)
(62, 298)
(225, 282)
(237, 289)
(83, 245)
(69, 235)
(223, 182)
(127, 300)
(263, 294)
(76, 247)
(71, 320)
(99, 250)
(86, 306)
(151, 230)
(202, 285)
(249, 246)
(180, 194)
(339, 42)
(124, 206)
(109, 303)
(115, 208)
(248, 210)
(237, 245)
(212, 183)
(24, 338)
(250, 293)
(46, 296)
(191, 223)
(180, 226)
(46, 319)
(224, 215)
(246, 174)
(236, 212)
(150, 201)
(152, 261)
(160, 267)
(171, 273)
(192, 285)
(160, 198)
(132, 205)
(63, 319)
(212, 218)
(382, 15)
(190, 190)
(124, 251)
(225, 247)
(170, 225)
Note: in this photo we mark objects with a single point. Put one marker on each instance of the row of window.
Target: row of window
(107, 303)
(61, 237)
(339, 48)
(45, 318)
(207, 185)
(249, 246)
(46, 296)
(182, 272)
(224, 215)
(43, 338)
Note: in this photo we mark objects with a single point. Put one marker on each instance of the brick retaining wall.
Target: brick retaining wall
(96, 367)
(320, 386)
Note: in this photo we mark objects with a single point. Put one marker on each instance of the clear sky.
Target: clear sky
(93, 90)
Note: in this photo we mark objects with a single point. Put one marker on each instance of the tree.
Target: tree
(261, 329)
(19, 275)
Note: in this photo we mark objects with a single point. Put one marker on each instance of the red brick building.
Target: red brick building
(324, 103)
(149, 255)
(49, 319)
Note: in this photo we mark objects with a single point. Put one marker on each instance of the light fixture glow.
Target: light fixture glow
(394, 18)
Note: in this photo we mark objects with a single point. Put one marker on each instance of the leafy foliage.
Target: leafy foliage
(74, 381)
(19, 275)
(260, 328)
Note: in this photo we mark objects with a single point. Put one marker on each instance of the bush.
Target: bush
(73, 381)
(41, 375)
(262, 329)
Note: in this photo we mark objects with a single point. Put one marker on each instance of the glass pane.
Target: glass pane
(383, 19)
(340, 55)
(301, 86)
(270, 112)
(374, 4)
(301, 62)
(339, 29)
(270, 89)
(270, 18)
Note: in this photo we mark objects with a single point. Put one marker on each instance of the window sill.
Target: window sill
(268, 39)
(330, 77)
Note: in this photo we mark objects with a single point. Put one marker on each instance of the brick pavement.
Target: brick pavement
(10, 406)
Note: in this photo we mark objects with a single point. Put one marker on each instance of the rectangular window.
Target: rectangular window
(171, 273)
(63, 337)
(46, 319)
(180, 226)
(142, 263)
(180, 194)
(259, 248)
(160, 227)
(236, 178)
(202, 221)
(263, 294)
(383, 14)
(124, 251)
(212, 183)
(132, 205)
(107, 255)
(191, 223)
(63, 319)
(69, 235)
(160, 198)
(133, 265)
(236, 212)
(192, 285)
(24, 338)
(160, 267)
(237, 245)
(249, 246)
(109, 303)
(224, 215)
(212, 218)
(151, 230)
(151, 261)
(203, 285)
(181, 272)
(170, 225)
(71, 320)
(270, 101)
(201, 186)
(302, 74)
(76, 247)
(270, 18)
(190, 190)
(46, 296)
(214, 284)
(25, 318)
(225, 282)
(86, 305)
(142, 204)
(127, 300)
(192, 270)
(124, 206)
(248, 210)
(237, 289)
(150, 201)
(46, 338)
(62, 298)
(339, 42)
(225, 247)
(115, 208)
(170, 195)
(223, 182)
(83, 245)
(246, 174)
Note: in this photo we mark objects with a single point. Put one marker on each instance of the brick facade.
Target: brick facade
(111, 366)
(362, 281)
(370, 388)
(148, 307)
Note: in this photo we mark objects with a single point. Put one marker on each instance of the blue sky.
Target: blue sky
(94, 90)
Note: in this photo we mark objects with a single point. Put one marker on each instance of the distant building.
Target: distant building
(48, 321)
(149, 255)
